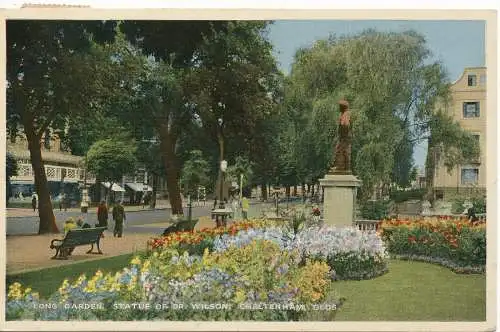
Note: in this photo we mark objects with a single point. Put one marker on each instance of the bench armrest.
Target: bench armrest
(52, 242)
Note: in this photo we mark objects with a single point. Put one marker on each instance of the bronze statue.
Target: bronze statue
(342, 162)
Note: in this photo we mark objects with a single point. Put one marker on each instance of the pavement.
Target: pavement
(160, 205)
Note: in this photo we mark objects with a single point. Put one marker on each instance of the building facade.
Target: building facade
(468, 107)
(66, 174)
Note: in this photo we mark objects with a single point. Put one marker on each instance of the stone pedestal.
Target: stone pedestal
(339, 199)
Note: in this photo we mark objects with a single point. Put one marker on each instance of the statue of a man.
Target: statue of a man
(342, 162)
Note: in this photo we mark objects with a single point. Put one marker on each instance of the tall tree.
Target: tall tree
(111, 159)
(237, 58)
(394, 93)
(173, 46)
(47, 63)
(194, 173)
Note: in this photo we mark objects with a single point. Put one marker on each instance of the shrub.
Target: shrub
(399, 196)
(374, 210)
(453, 243)
(478, 202)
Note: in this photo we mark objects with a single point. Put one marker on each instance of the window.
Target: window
(471, 109)
(482, 80)
(472, 80)
(470, 175)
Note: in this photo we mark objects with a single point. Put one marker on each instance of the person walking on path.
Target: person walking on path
(102, 215)
(118, 217)
(33, 202)
(244, 207)
(61, 201)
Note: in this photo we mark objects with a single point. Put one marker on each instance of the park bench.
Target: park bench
(75, 238)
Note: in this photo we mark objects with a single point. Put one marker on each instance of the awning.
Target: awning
(138, 186)
(115, 187)
(22, 182)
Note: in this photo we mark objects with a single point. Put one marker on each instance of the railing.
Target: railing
(53, 173)
(366, 225)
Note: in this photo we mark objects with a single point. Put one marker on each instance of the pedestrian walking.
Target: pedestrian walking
(102, 215)
(118, 217)
(60, 197)
(33, 202)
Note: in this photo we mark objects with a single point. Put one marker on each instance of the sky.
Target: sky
(457, 44)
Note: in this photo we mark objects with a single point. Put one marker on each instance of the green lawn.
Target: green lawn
(414, 291)
(47, 281)
(410, 291)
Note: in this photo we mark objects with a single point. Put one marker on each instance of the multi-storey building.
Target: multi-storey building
(468, 107)
(66, 173)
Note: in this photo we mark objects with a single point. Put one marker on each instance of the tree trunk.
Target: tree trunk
(303, 192)
(167, 147)
(97, 195)
(8, 192)
(287, 191)
(45, 211)
(263, 191)
(295, 190)
(152, 202)
(430, 168)
(312, 189)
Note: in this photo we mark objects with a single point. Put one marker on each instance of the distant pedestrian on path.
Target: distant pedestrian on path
(33, 202)
(102, 215)
(245, 205)
(61, 202)
(118, 217)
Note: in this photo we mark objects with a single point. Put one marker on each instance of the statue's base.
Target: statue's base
(335, 171)
(339, 199)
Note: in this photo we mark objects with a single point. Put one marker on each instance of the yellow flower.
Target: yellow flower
(240, 296)
(136, 261)
(80, 280)
(98, 274)
(146, 265)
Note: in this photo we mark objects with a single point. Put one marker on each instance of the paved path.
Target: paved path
(29, 224)
(32, 252)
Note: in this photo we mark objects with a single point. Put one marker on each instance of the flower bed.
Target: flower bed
(195, 242)
(169, 286)
(237, 268)
(454, 243)
(350, 253)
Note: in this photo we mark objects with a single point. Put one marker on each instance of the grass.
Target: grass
(411, 291)
(414, 291)
(48, 281)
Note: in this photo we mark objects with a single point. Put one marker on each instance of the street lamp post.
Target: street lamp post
(190, 209)
(223, 168)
